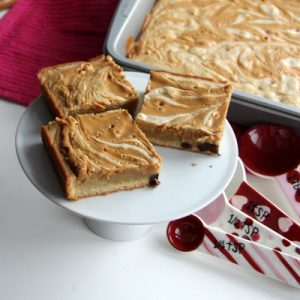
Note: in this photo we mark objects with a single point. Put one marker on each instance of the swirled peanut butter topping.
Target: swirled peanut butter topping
(185, 102)
(254, 44)
(105, 144)
(94, 85)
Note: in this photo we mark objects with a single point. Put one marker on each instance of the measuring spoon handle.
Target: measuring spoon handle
(251, 202)
(269, 262)
(221, 214)
(290, 186)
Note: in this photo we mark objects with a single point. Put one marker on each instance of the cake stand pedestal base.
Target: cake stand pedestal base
(117, 232)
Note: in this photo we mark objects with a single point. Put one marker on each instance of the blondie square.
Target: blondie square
(90, 86)
(99, 154)
(184, 112)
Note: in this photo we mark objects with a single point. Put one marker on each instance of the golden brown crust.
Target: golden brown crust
(51, 103)
(61, 167)
(173, 140)
(129, 44)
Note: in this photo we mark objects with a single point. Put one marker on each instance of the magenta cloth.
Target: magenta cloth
(39, 33)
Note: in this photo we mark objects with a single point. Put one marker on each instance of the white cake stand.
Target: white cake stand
(188, 180)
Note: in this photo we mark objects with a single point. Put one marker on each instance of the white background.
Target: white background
(47, 253)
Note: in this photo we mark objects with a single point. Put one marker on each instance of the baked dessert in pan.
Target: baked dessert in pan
(96, 154)
(90, 86)
(255, 45)
(184, 112)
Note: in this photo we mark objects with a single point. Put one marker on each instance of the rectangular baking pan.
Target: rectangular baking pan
(245, 109)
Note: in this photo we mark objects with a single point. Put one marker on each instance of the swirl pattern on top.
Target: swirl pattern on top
(94, 85)
(106, 144)
(180, 103)
(255, 44)
(170, 107)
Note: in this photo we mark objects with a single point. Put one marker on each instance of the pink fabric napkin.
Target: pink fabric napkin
(39, 33)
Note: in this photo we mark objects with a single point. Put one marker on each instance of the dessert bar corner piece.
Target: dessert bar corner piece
(185, 112)
(90, 86)
(100, 154)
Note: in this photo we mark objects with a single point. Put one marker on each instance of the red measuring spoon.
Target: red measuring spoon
(274, 151)
(191, 233)
(270, 149)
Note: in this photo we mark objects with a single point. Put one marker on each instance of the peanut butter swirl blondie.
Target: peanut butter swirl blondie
(184, 112)
(100, 154)
(90, 86)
